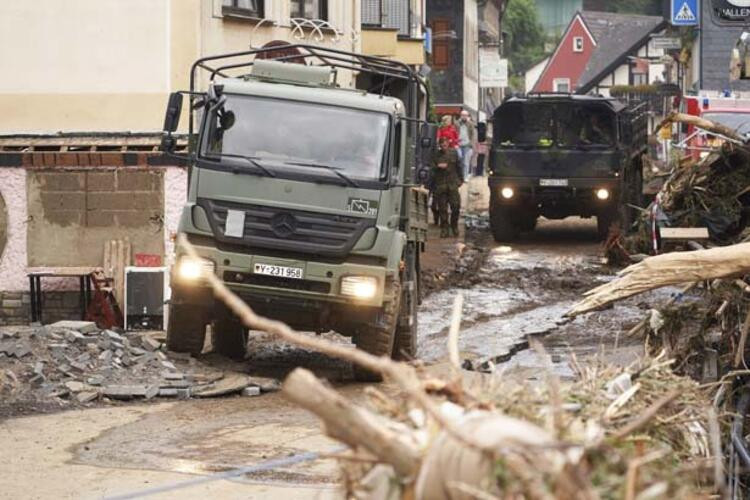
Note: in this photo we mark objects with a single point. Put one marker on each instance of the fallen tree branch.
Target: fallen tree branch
(668, 269)
(351, 424)
(645, 417)
(702, 123)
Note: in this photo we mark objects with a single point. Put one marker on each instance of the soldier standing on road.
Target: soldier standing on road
(447, 178)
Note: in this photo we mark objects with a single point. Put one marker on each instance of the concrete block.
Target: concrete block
(149, 343)
(137, 180)
(253, 390)
(78, 326)
(87, 396)
(75, 386)
(100, 218)
(133, 218)
(60, 181)
(12, 303)
(101, 181)
(72, 299)
(63, 201)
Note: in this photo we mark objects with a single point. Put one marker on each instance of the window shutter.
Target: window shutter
(441, 44)
(397, 16)
(371, 12)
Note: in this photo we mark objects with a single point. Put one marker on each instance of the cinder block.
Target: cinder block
(124, 201)
(100, 218)
(64, 217)
(12, 303)
(133, 218)
(137, 180)
(63, 201)
(61, 181)
(100, 181)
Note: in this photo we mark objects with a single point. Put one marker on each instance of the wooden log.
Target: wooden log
(704, 124)
(351, 424)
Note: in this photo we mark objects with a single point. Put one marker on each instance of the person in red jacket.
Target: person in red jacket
(448, 130)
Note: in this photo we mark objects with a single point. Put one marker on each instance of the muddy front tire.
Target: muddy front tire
(501, 225)
(378, 338)
(405, 343)
(186, 331)
(229, 336)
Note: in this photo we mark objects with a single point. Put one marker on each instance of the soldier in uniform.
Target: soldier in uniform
(447, 177)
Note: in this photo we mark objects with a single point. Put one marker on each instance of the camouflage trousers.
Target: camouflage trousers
(444, 199)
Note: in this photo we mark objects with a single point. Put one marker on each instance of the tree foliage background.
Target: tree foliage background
(526, 37)
(648, 7)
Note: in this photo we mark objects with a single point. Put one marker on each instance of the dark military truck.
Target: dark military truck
(303, 197)
(557, 155)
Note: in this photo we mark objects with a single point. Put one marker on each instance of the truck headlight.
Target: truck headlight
(602, 194)
(190, 269)
(360, 287)
(507, 193)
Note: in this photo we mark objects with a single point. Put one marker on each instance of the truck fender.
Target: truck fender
(396, 252)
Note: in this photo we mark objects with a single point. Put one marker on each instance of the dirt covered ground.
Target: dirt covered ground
(109, 446)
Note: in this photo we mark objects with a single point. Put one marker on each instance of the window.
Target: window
(308, 9)
(247, 8)
(442, 35)
(388, 14)
(561, 84)
(578, 44)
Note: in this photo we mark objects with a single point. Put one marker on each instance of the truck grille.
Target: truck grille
(289, 230)
(276, 282)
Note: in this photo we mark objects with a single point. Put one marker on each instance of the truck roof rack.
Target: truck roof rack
(225, 65)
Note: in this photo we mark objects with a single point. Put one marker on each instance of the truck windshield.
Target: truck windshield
(547, 124)
(283, 133)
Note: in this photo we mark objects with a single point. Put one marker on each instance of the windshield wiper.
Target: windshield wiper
(249, 159)
(351, 182)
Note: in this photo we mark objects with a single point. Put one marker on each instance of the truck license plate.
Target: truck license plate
(553, 182)
(279, 271)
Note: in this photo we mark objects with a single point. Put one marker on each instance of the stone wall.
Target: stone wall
(15, 307)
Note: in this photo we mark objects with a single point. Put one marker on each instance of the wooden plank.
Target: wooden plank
(683, 233)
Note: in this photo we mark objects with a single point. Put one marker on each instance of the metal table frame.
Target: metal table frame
(35, 287)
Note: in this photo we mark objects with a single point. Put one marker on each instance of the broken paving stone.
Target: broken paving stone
(137, 351)
(106, 356)
(167, 375)
(231, 383)
(119, 353)
(37, 380)
(252, 390)
(184, 393)
(151, 392)
(125, 391)
(39, 368)
(81, 367)
(168, 392)
(113, 335)
(21, 350)
(75, 386)
(65, 368)
(84, 358)
(74, 336)
(5, 334)
(149, 343)
(95, 380)
(7, 347)
(168, 365)
(87, 396)
(79, 326)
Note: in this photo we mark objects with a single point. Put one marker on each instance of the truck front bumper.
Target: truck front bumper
(580, 196)
(320, 281)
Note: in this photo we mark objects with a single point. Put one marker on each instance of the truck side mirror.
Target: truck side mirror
(482, 131)
(174, 109)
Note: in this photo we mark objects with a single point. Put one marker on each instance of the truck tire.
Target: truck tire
(405, 343)
(186, 330)
(501, 225)
(378, 338)
(528, 223)
(229, 337)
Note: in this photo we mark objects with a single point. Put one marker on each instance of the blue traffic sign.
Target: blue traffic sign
(685, 12)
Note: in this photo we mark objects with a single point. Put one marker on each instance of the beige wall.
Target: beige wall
(108, 65)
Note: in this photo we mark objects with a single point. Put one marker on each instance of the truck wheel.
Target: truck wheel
(229, 337)
(405, 344)
(378, 338)
(528, 223)
(186, 330)
(503, 229)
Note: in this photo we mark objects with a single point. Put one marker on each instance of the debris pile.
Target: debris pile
(74, 363)
(643, 432)
(710, 193)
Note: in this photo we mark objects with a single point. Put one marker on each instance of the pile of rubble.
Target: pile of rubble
(75, 363)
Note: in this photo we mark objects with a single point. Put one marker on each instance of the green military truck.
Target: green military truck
(557, 155)
(303, 197)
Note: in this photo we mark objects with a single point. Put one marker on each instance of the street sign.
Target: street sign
(666, 43)
(493, 70)
(731, 11)
(685, 12)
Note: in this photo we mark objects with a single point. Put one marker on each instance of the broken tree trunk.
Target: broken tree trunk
(351, 424)
(668, 269)
(704, 124)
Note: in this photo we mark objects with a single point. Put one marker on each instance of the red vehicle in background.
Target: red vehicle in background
(733, 112)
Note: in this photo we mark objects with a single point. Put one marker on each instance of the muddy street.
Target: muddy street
(519, 292)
